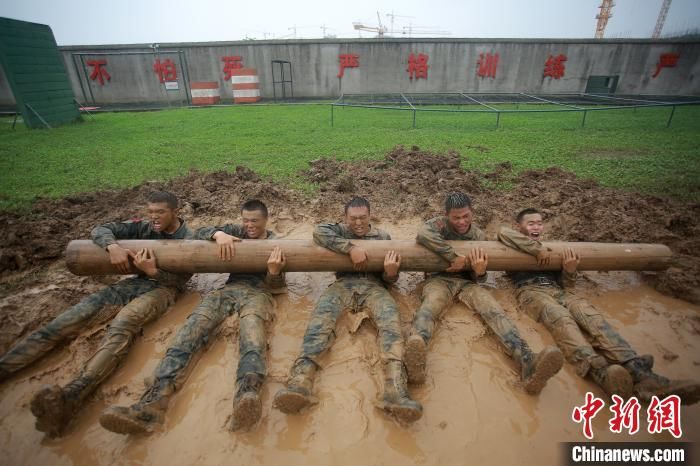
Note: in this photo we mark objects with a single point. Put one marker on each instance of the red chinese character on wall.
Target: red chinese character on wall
(166, 71)
(587, 412)
(99, 72)
(624, 415)
(231, 63)
(666, 60)
(417, 66)
(348, 60)
(486, 65)
(554, 66)
(665, 415)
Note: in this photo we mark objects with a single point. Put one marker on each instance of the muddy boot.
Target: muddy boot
(414, 358)
(54, 406)
(142, 417)
(537, 369)
(613, 379)
(396, 400)
(647, 383)
(297, 394)
(246, 402)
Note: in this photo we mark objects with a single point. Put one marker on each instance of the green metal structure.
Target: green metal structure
(36, 74)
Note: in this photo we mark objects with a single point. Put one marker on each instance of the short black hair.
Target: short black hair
(457, 201)
(357, 201)
(156, 197)
(524, 212)
(253, 205)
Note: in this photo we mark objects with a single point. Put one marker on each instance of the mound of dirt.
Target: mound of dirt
(407, 183)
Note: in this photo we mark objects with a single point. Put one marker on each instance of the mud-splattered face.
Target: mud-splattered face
(357, 218)
(460, 219)
(162, 217)
(254, 222)
(531, 226)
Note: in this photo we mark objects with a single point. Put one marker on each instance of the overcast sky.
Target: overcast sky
(83, 22)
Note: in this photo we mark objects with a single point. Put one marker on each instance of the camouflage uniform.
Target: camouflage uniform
(355, 291)
(248, 296)
(548, 297)
(144, 299)
(439, 291)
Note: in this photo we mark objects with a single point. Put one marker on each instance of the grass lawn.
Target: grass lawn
(622, 148)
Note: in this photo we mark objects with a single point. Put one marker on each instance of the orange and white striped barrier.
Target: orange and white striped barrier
(246, 85)
(205, 93)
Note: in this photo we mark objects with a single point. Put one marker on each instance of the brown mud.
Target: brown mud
(473, 404)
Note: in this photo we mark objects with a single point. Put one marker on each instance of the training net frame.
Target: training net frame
(484, 102)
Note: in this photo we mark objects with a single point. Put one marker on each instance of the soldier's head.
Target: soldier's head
(254, 213)
(357, 215)
(529, 223)
(458, 210)
(162, 211)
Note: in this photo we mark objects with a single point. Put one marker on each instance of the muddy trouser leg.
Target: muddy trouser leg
(192, 336)
(435, 298)
(123, 330)
(320, 331)
(385, 313)
(483, 303)
(72, 321)
(255, 313)
(541, 306)
(606, 340)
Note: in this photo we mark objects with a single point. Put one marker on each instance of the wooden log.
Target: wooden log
(83, 257)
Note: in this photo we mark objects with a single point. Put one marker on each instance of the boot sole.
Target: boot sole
(619, 382)
(549, 363)
(415, 360)
(122, 424)
(291, 402)
(403, 413)
(246, 413)
(48, 406)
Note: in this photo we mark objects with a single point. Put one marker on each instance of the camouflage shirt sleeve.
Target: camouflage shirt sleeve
(566, 279)
(430, 236)
(172, 280)
(109, 233)
(332, 236)
(207, 233)
(517, 240)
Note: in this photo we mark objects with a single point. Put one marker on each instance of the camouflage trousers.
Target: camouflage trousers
(440, 291)
(143, 300)
(356, 294)
(254, 306)
(566, 315)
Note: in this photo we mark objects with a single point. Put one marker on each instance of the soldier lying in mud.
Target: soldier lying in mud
(249, 296)
(549, 297)
(441, 288)
(356, 291)
(144, 298)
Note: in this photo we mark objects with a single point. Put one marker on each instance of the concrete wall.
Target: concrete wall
(383, 63)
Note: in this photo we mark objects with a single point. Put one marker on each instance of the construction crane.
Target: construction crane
(603, 17)
(380, 30)
(412, 30)
(662, 19)
(393, 16)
